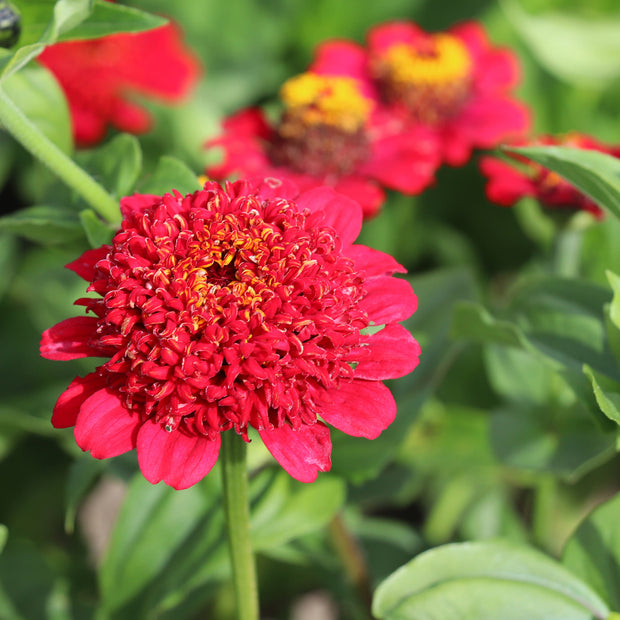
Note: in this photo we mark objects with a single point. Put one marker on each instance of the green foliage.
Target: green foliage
(485, 581)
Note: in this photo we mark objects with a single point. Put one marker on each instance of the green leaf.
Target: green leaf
(485, 581)
(82, 474)
(107, 18)
(593, 551)
(289, 509)
(571, 47)
(37, 94)
(170, 174)
(566, 441)
(608, 401)
(116, 165)
(595, 174)
(97, 231)
(42, 224)
(472, 322)
(153, 524)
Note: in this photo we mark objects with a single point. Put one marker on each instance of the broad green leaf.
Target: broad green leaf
(572, 48)
(43, 224)
(595, 174)
(35, 91)
(116, 165)
(608, 401)
(169, 175)
(593, 551)
(565, 441)
(486, 581)
(289, 509)
(97, 231)
(4, 534)
(155, 521)
(472, 322)
(82, 474)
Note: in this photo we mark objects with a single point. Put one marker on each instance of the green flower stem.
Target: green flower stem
(568, 252)
(236, 509)
(33, 140)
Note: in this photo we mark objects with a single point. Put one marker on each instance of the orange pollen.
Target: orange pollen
(326, 100)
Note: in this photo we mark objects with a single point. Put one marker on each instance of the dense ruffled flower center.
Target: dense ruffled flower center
(432, 78)
(222, 312)
(322, 131)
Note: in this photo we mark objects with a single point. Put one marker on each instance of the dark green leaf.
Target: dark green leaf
(595, 174)
(486, 581)
(169, 175)
(116, 165)
(567, 442)
(472, 322)
(97, 231)
(153, 524)
(81, 477)
(36, 93)
(43, 224)
(593, 551)
(289, 509)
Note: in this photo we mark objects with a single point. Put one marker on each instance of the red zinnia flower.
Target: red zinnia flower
(331, 132)
(229, 308)
(99, 77)
(453, 82)
(506, 184)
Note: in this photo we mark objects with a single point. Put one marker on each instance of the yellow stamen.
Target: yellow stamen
(448, 62)
(326, 100)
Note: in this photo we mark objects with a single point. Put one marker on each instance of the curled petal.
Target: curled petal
(105, 427)
(69, 339)
(359, 408)
(85, 265)
(388, 300)
(303, 453)
(68, 405)
(179, 460)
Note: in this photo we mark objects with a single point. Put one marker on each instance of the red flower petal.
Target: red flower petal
(505, 184)
(360, 408)
(68, 405)
(105, 427)
(85, 265)
(177, 459)
(138, 203)
(303, 453)
(374, 262)
(388, 300)
(342, 213)
(364, 191)
(394, 353)
(68, 340)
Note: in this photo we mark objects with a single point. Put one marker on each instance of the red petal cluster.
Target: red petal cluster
(507, 182)
(474, 109)
(228, 308)
(100, 77)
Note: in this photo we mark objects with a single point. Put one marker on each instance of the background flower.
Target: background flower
(453, 82)
(509, 182)
(228, 309)
(101, 77)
